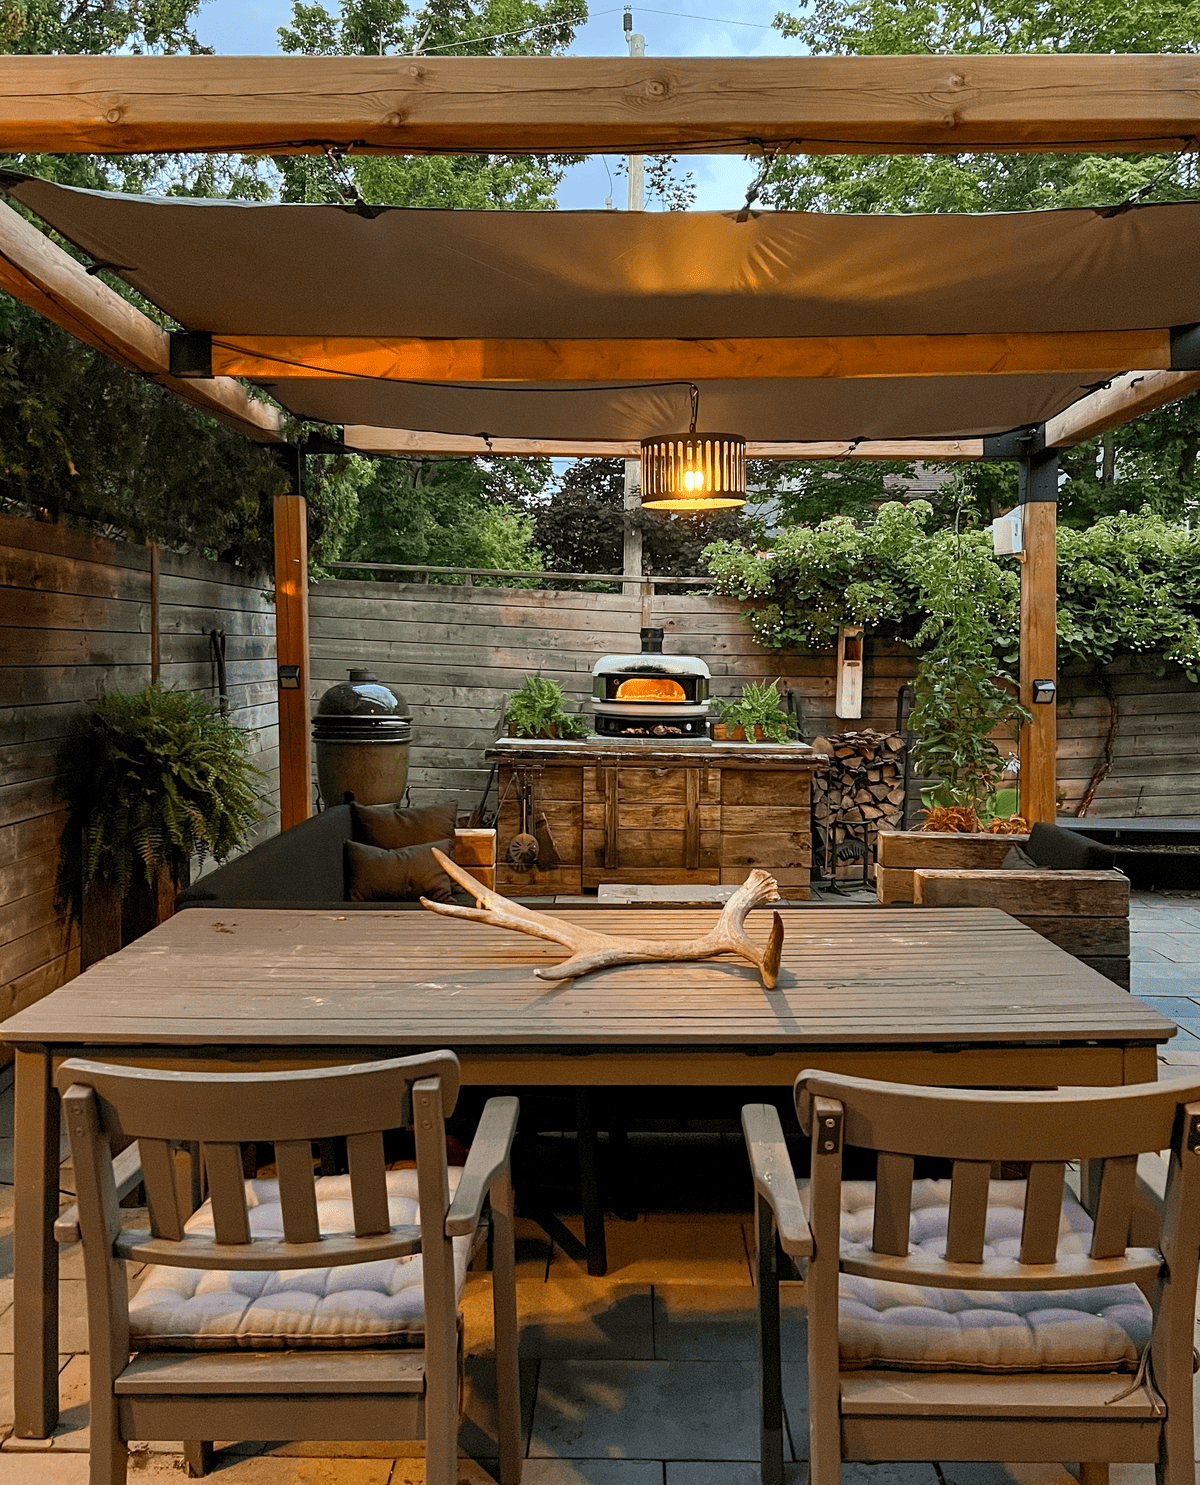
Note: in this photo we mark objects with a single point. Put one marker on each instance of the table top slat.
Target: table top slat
(849, 976)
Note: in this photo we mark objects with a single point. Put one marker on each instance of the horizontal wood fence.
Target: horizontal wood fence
(76, 621)
(457, 652)
(1155, 769)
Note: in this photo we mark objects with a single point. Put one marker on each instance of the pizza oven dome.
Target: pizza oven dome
(651, 695)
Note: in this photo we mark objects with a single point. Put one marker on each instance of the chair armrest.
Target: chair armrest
(127, 1173)
(774, 1179)
(488, 1156)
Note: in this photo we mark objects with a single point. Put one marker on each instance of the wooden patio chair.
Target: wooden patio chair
(254, 1322)
(980, 1319)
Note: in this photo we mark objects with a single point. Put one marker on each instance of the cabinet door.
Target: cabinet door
(766, 821)
(651, 825)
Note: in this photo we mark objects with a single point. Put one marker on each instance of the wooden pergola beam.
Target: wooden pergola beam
(40, 274)
(411, 358)
(810, 105)
(1128, 397)
(367, 440)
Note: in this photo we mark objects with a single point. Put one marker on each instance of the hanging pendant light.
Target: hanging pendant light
(694, 471)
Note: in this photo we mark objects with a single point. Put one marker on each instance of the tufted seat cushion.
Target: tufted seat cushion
(925, 1329)
(363, 1304)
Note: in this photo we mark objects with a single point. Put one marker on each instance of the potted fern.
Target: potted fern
(537, 710)
(757, 716)
(152, 778)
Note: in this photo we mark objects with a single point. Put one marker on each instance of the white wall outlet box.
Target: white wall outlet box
(1008, 533)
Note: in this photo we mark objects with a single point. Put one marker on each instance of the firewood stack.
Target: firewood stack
(862, 790)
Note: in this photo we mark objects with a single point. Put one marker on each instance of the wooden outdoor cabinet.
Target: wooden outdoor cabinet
(692, 815)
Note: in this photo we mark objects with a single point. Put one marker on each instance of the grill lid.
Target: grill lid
(362, 707)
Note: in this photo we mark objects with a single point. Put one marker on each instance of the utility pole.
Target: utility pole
(631, 565)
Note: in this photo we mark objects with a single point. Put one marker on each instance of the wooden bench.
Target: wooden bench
(1084, 912)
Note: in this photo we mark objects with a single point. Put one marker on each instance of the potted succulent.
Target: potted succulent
(152, 778)
(537, 710)
(757, 716)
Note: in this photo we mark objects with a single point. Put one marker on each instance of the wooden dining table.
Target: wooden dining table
(957, 996)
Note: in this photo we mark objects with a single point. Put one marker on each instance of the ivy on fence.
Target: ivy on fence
(1130, 583)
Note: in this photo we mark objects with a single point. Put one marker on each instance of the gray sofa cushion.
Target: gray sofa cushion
(391, 827)
(403, 875)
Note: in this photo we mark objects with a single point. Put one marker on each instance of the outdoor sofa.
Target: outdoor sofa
(305, 867)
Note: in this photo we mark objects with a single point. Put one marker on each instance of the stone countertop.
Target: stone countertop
(655, 753)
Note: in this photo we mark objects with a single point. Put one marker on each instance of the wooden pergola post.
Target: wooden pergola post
(291, 645)
(1038, 493)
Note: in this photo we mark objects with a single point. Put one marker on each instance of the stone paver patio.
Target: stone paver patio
(646, 1377)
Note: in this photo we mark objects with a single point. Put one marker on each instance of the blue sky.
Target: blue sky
(248, 27)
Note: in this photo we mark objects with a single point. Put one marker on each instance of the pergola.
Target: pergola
(1106, 374)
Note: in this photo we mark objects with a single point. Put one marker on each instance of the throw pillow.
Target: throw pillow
(390, 827)
(403, 875)
(1019, 860)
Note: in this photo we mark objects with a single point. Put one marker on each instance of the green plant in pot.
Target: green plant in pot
(152, 778)
(759, 707)
(537, 709)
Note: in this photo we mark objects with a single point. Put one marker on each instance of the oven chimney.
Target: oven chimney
(652, 641)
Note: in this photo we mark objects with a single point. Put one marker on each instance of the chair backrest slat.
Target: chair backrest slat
(1043, 1210)
(297, 1190)
(368, 1183)
(162, 1195)
(227, 1192)
(222, 1112)
(969, 1183)
(1114, 1206)
(893, 1203)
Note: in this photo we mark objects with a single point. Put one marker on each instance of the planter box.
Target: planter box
(721, 733)
(115, 916)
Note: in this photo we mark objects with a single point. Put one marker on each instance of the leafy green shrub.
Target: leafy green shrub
(760, 705)
(1128, 584)
(154, 776)
(536, 710)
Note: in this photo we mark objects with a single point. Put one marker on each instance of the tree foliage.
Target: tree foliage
(1130, 583)
(580, 528)
(83, 440)
(453, 512)
(1150, 462)
(445, 512)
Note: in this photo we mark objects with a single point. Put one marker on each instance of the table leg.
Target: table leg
(35, 1254)
(589, 1183)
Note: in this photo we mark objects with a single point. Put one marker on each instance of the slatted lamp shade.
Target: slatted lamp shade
(694, 471)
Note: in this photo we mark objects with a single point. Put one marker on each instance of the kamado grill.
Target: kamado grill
(651, 695)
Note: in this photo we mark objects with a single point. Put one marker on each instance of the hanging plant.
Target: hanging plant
(153, 778)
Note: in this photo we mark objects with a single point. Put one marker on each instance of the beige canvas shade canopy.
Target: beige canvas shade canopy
(590, 325)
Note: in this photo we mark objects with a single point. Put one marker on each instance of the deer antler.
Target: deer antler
(592, 950)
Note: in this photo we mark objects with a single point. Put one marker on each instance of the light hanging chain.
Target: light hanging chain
(694, 394)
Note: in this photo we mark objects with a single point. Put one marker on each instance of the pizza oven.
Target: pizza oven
(651, 695)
